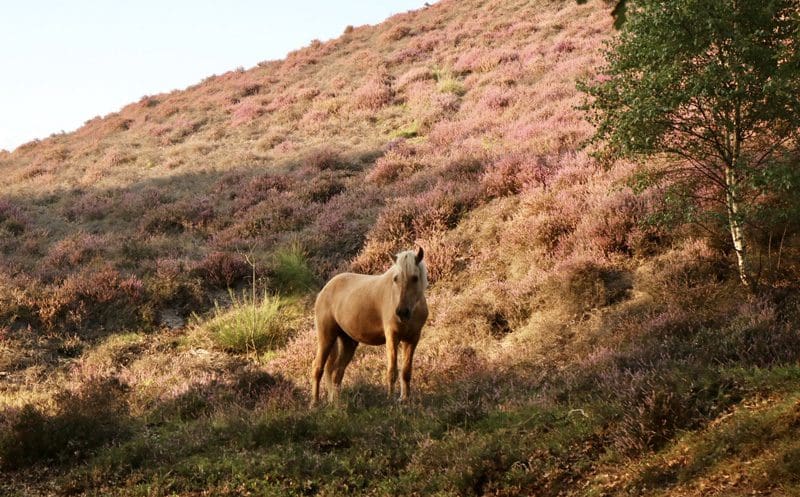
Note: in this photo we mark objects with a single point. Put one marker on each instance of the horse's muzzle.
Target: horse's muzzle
(403, 314)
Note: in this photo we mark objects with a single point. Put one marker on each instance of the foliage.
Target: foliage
(713, 86)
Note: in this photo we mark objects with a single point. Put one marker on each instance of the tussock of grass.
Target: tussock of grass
(291, 272)
(447, 83)
(246, 326)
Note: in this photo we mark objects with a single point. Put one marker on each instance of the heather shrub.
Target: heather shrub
(88, 207)
(94, 298)
(613, 220)
(656, 406)
(444, 256)
(74, 250)
(222, 269)
(413, 75)
(438, 209)
(512, 172)
(397, 32)
(116, 157)
(188, 214)
(133, 202)
(290, 270)
(375, 257)
(339, 231)
(12, 219)
(246, 111)
(464, 166)
(495, 98)
(82, 421)
(582, 284)
(549, 230)
(272, 137)
(323, 185)
(259, 189)
(399, 159)
(278, 214)
(760, 331)
(180, 129)
(248, 326)
(683, 274)
(324, 158)
(469, 60)
(173, 284)
(375, 93)
(18, 301)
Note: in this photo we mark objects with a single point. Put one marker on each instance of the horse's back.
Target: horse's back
(349, 299)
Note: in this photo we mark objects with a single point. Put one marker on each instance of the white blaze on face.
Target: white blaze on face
(410, 280)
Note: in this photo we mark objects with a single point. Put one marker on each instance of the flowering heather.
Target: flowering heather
(12, 219)
(374, 93)
(511, 173)
(413, 75)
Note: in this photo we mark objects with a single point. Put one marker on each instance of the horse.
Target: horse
(375, 310)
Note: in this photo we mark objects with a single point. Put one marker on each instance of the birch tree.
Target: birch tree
(713, 88)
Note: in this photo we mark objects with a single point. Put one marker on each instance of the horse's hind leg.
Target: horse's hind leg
(347, 347)
(326, 340)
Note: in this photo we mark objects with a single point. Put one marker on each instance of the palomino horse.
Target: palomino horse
(358, 308)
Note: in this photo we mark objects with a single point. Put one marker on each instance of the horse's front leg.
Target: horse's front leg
(392, 341)
(405, 379)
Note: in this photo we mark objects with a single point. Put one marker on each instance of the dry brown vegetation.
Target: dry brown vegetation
(575, 346)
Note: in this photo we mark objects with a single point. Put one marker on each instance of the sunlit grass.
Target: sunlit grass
(292, 272)
(251, 327)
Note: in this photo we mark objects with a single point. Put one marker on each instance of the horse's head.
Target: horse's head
(409, 280)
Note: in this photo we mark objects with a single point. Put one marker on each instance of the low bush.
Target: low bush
(88, 207)
(510, 173)
(222, 269)
(74, 250)
(325, 157)
(375, 93)
(582, 284)
(12, 219)
(260, 188)
(189, 214)
(97, 298)
(399, 159)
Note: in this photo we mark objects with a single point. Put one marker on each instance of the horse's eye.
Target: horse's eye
(414, 278)
(395, 278)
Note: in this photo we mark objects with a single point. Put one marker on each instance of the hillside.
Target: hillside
(575, 346)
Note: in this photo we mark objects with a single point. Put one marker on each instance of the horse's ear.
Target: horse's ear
(420, 253)
(392, 258)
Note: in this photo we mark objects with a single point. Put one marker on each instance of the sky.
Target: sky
(65, 62)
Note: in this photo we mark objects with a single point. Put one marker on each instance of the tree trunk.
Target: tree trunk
(736, 225)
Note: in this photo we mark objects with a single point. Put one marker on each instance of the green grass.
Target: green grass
(291, 271)
(448, 83)
(409, 131)
(384, 449)
(246, 326)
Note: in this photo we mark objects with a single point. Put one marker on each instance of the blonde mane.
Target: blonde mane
(407, 262)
